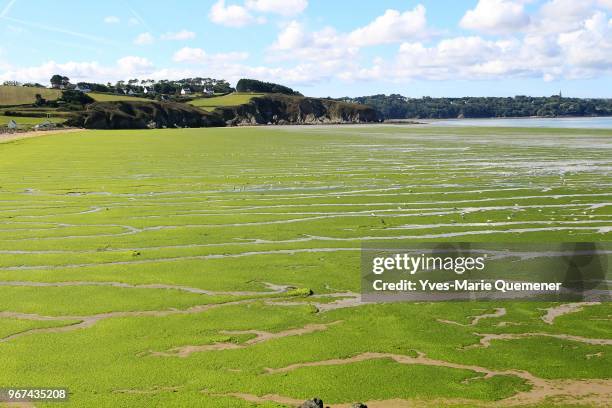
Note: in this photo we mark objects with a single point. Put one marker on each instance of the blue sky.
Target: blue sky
(335, 48)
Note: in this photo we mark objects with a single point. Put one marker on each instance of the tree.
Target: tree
(56, 81)
(253, 85)
(40, 101)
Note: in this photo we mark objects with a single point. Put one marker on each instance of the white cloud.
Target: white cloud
(328, 44)
(558, 16)
(188, 54)
(199, 56)
(133, 21)
(179, 35)
(282, 7)
(563, 40)
(291, 37)
(392, 26)
(605, 3)
(144, 39)
(112, 20)
(231, 15)
(496, 17)
(133, 64)
(591, 46)
(294, 42)
(89, 71)
(235, 15)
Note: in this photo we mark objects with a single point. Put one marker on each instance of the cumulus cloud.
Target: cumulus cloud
(496, 16)
(326, 45)
(392, 26)
(605, 3)
(112, 20)
(144, 39)
(291, 37)
(558, 16)
(134, 64)
(282, 7)
(329, 44)
(89, 71)
(188, 54)
(179, 35)
(231, 15)
(589, 47)
(198, 55)
(235, 15)
(562, 40)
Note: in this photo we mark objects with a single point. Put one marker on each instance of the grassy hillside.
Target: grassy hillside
(21, 95)
(162, 245)
(102, 97)
(232, 99)
(26, 122)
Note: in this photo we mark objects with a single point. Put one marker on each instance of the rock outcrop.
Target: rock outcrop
(274, 109)
(318, 403)
(312, 403)
(279, 109)
(143, 115)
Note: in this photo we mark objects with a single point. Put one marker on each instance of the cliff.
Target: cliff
(142, 115)
(279, 109)
(273, 109)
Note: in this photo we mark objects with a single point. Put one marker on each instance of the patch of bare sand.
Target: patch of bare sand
(8, 137)
(553, 312)
(487, 338)
(499, 312)
(273, 289)
(591, 392)
(391, 403)
(153, 390)
(88, 321)
(346, 299)
(260, 337)
(18, 405)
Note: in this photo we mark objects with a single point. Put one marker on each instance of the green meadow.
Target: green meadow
(26, 121)
(105, 97)
(220, 267)
(233, 99)
(22, 95)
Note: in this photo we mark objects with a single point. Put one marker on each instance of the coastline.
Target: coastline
(9, 137)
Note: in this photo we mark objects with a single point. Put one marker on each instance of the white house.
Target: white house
(83, 89)
(208, 91)
(185, 91)
(149, 91)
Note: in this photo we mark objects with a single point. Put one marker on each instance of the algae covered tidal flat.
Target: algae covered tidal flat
(220, 267)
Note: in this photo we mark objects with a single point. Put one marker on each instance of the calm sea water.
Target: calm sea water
(590, 123)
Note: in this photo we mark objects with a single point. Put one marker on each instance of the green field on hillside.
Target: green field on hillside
(233, 99)
(174, 267)
(103, 97)
(21, 95)
(28, 121)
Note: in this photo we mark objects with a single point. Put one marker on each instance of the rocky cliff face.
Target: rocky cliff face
(142, 115)
(270, 109)
(283, 109)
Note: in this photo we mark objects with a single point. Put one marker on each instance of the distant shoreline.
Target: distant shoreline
(419, 120)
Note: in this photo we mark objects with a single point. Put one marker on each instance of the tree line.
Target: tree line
(253, 85)
(396, 106)
(163, 86)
